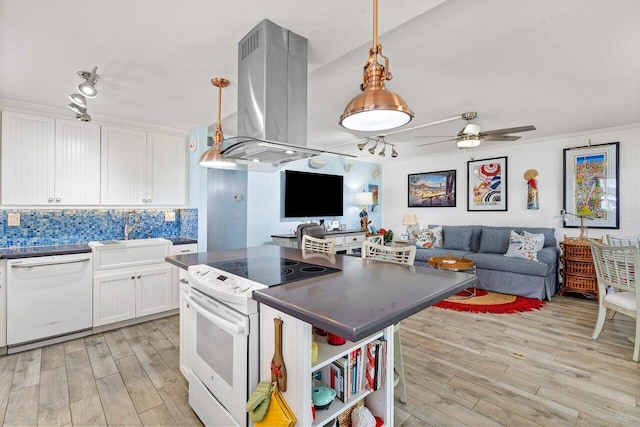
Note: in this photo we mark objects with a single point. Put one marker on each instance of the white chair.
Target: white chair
(397, 255)
(616, 267)
(314, 244)
(376, 238)
(623, 241)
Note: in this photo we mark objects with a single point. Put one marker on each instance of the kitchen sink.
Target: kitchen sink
(110, 254)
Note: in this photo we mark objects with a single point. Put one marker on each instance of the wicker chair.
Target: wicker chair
(397, 255)
(615, 267)
(623, 241)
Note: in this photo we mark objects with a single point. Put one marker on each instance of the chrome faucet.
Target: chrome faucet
(128, 227)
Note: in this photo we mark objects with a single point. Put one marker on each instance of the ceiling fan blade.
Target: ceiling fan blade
(500, 138)
(433, 136)
(437, 142)
(508, 130)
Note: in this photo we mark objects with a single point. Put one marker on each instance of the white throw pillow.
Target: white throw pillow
(430, 238)
(538, 236)
(526, 246)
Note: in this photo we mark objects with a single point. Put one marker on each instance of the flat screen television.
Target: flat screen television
(309, 194)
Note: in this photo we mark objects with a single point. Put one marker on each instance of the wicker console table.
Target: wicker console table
(578, 272)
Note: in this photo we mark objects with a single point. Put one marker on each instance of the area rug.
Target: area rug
(490, 302)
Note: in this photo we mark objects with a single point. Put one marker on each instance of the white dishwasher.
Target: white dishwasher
(47, 298)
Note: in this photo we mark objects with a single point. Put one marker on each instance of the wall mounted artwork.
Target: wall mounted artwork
(487, 184)
(432, 189)
(591, 185)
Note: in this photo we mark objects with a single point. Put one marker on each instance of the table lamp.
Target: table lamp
(409, 220)
(583, 213)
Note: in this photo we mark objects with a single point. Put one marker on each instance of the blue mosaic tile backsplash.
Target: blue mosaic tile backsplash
(40, 227)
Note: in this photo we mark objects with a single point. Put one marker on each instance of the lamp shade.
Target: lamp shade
(88, 89)
(409, 219)
(213, 159)
(364, 198)
(376, 109)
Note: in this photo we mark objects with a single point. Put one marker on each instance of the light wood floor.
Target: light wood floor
(128, 376)
(528, 369)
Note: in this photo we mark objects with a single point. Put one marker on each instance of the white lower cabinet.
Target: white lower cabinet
(132, 292)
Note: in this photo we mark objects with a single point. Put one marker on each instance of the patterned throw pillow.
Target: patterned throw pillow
(430, 238)
(526, 246)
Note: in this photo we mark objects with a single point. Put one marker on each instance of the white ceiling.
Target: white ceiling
(564, 66)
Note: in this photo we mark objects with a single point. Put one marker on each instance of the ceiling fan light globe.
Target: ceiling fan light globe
(469, 141)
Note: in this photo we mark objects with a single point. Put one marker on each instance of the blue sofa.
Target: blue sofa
(486, 246)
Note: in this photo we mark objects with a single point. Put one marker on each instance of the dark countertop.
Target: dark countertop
(327, 233)
(75, 248)
(363, 298)
(37, 251)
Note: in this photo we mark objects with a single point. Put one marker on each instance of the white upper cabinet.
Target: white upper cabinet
(140, 168)
(49, 162)
(124, 166)
(77, 171)
(166, 170)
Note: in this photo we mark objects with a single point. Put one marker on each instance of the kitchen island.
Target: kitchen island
(361, 303)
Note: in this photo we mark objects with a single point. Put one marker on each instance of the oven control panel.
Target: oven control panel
(222, 285)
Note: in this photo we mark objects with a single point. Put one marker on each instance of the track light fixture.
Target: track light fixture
(87, 90)
(378, 140)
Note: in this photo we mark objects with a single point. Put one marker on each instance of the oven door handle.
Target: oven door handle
(216, 320)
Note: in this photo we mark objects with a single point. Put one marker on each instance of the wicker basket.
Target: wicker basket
(344, 419)
(588, 285)
(577, 251)
(582, 268)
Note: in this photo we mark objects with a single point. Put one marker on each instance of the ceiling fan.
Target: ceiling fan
(471, 136)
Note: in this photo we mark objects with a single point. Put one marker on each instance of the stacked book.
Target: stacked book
(362, 369)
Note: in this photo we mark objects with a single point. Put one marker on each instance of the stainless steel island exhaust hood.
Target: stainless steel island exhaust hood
(272, 99)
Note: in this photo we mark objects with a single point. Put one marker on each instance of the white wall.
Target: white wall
(543, 155)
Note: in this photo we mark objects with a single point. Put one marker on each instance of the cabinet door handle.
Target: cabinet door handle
(184, 281)
(133, 277)
(50, 199)
(149, 200)
(185, 251)
(139, 277)
(57, 199)
(144, 200)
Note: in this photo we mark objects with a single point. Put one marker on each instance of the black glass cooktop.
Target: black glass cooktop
(271, 271)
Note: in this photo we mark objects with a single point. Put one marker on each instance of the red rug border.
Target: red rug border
(520, 305)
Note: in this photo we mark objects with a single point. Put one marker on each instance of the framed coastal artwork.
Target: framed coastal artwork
(487, 184)
(591, 186)
(432, 189)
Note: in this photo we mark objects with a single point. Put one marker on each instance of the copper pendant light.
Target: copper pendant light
(376, 108)
(212, 157)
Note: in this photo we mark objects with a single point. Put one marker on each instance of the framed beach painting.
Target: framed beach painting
(487, 184)
(432, 189)
(373, 189)
(591, 186)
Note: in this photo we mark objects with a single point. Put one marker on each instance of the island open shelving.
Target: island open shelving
(297, 337)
